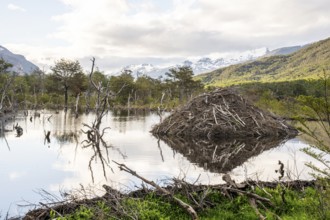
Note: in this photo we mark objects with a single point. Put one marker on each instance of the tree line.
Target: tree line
(67, 81)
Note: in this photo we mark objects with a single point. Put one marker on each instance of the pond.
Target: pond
(34, 170)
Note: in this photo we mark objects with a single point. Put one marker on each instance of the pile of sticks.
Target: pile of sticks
(197, 196)
(221, 114)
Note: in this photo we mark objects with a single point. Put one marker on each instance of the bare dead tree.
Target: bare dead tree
(94, 133)
(4, 90)
(77, 104)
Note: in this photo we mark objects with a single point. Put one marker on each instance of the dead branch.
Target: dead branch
(182, 204)
(254, 206)
(249, 194)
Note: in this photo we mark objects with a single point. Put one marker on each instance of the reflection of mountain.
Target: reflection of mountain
(221, 157)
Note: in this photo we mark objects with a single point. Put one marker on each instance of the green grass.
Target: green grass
(307, 64)
(298, 205)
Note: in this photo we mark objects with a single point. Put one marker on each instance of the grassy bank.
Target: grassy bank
(300, 200)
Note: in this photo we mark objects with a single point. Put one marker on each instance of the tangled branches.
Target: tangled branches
(96, 142)
(190, 197)
(94, 134)
(221, 114)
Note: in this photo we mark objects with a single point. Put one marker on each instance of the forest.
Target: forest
(68, 86)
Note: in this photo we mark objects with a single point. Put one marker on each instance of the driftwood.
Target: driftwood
(181, 203)
(196, 194)
(222, 114)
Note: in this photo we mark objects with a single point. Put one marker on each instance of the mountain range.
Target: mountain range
(202, 65)
(20, 64)
(206, 64)
(199, 66)
(308, 62)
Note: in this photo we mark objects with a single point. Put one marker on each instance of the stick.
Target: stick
(184, 205)
(215, 117)
(254, 206)
(253, 195)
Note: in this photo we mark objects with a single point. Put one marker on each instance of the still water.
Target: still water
(30, 165)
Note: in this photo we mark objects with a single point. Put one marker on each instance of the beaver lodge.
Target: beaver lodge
(222, 114)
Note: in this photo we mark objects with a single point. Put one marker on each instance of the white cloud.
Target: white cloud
(190, 27)
(16, 175)
(183, 28)
(14, 7)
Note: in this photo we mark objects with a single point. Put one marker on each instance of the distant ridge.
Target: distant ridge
(20, 64)
(283, 51)
(306, 63)
(206, 64)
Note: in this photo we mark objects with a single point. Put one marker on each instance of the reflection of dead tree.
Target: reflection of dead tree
(160, 149)
(3, 130)
(93, 133)
(66, 137)
(6, 142)
(19, 130)
(47, 137)
(95, 140)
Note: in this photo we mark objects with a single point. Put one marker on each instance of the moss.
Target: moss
(298, 205)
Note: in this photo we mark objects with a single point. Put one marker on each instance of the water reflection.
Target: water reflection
(221, 157)
(19, 130)
(65, 137)
(62, 163)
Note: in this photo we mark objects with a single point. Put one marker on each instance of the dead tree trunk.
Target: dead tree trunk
(66, 90)
(77, 104)
(4, 91)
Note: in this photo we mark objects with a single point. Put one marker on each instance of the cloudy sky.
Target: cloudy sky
(123, 32)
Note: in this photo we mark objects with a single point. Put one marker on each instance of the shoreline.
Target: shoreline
(178, 187)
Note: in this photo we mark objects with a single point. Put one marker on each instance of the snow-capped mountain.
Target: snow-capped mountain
(20, 64)
(201, 65)
(147, 69)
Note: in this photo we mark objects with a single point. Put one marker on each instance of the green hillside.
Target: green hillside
(307, 63)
